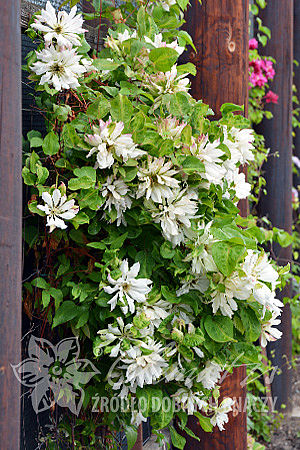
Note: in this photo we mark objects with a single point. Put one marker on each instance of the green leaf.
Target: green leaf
(105, 64)
(226, 256)
(66, 312)
(97, 245)
(61, 112)
(179, 104)
(187, 68)
(121, 109)
(89, 172)
(219, 328)
(51, 144)
(191, 164)
(204, 422)
(80, 219)
(230, 107)
(251, 323)
(163, 58)
(167, 251)
(33, 160)
(40, 283)
(99, 108)
(131, 436)
(36, 142)
(70, 136)
(28, 177)
(178, 441)
(32, 206)
(45, 298)
(83, 182)
(119, 241)
(42, 174)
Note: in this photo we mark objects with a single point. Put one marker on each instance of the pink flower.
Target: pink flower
(253, 44)
(269, 69)
(258, 79)
(271, 97)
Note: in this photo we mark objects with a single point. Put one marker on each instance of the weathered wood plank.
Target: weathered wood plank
(10, 221)
(220, 33)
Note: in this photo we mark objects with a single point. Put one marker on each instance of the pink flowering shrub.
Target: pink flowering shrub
(261, 73)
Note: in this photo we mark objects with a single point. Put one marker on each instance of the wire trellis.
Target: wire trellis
(55, 3)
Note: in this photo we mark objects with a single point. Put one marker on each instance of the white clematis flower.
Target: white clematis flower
(201, 255)
(159, 43)
(116, 193)
(243, 140)
(200, 284)
(266, 297)
(162, 83)
(58, 209)
(60, 69)
(175, 215)
(221, 413)
(171, 128)
(108, 142)
(210, 375)
(190, 401)
(157, 179)
(64, 28)
(210, 155)
(258, 268)
(155, 312)
(167, 3)
(128, 289)
(270, 334)
(144, 364)
(237, 180)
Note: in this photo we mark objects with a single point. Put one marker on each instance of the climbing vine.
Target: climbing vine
(134, 224)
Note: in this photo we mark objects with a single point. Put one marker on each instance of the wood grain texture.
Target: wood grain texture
(277, 204)
(234, 437)
(220, 33)
(10, 221)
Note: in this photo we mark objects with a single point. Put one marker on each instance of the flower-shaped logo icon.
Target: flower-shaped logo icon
(55, 374)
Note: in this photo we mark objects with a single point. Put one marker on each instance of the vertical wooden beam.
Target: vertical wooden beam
(277, 204)
(297, 73)
(234, 437)
(10, 220)
(219, 30)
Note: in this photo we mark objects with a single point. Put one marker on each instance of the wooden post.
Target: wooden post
(297, 75)
(219, 30)
(10, 221)
(277, 204)
(234, 437)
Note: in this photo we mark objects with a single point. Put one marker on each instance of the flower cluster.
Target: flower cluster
(167, 288)
(59, 64)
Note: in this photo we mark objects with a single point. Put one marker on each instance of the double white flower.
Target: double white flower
(127, 288)
(116, 193)
(60, 68)
(64, 28)
(175, 215)
(58, 209)
(157, 180)
(108, 142)
(144, 364)
(159, 43)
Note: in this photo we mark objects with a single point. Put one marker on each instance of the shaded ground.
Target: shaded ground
(287, 437)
